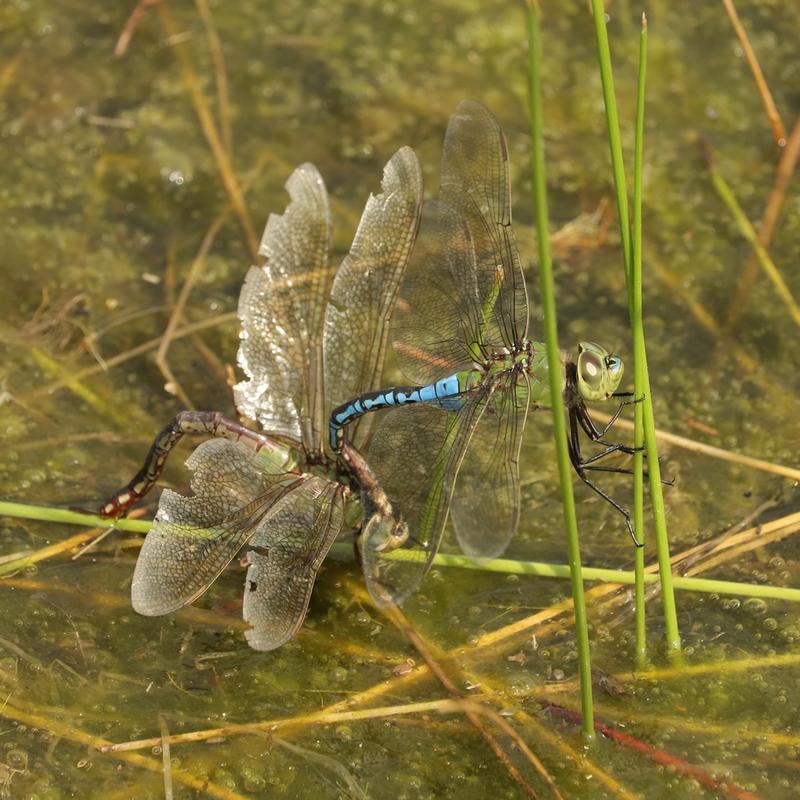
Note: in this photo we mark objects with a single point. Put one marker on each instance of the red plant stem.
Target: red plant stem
(658, 755)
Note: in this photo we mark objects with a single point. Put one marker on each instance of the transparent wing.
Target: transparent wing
(415, 454)
(365, 288)
(284, 557)
(475, 182)
(485, 510)
(194, 538)
(438, 314)
(282, 308)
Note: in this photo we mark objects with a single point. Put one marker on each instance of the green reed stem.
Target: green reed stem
(628, 577)
(47, 514)
(672, 633)
(501, 565)
(638, 354)
(556, 368)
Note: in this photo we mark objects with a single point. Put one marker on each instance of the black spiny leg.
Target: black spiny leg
(587, 423)
(579, 466)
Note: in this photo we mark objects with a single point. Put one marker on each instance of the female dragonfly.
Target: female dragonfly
(308, 341)
(463, 313)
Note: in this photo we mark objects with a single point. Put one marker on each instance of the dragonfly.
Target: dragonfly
(310, 337)
(449, 446)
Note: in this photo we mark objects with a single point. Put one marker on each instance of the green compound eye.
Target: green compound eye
(599, 373)
(591, 370)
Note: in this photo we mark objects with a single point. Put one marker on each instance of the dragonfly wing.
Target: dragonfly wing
(365, 288)
(194, 538)
(438, 312)
(485, 510)
(282, 309)
(415, 454)
(284, 557)
(475, 181)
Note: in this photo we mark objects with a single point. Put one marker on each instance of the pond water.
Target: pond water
(108, 190)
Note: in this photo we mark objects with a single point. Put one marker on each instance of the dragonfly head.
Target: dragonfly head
(599, 372)
(384, 532)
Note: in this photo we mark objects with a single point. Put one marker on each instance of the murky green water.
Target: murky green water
(107, 189)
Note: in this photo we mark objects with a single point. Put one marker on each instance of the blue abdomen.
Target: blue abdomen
(445, 393)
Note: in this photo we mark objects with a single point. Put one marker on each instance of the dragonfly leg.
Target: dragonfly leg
(206, 423)
(622, 510)
(626, 471)
(612, 448)
(578, 464)
(591, 430)
(587, 464)
(587, 423)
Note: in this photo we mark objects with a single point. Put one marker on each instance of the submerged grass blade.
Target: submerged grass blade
(672, 633)
(638, 354)
(767, 225)
(748, 231)
(554, 362)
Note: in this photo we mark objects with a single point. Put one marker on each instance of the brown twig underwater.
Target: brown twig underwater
(127, 355)
(496, 693)
(209, 128)
(472, 710)
(176, 313)
(130, 26)
(771, 110)
(323, 717)
(134, 352)
(176, 316)
(220, 73)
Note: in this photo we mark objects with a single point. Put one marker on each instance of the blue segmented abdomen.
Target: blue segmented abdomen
(445, 393)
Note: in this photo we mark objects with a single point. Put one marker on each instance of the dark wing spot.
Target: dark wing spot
(252, 586)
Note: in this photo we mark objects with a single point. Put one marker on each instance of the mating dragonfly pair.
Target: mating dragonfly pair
(450, 293)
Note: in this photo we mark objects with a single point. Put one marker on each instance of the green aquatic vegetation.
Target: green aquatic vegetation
(648, 420)
(637, 326)
(553, 358)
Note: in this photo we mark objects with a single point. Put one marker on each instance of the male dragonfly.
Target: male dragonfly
(453, 447)
(309, 340)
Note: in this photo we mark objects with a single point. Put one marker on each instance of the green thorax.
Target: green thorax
(534, 364)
